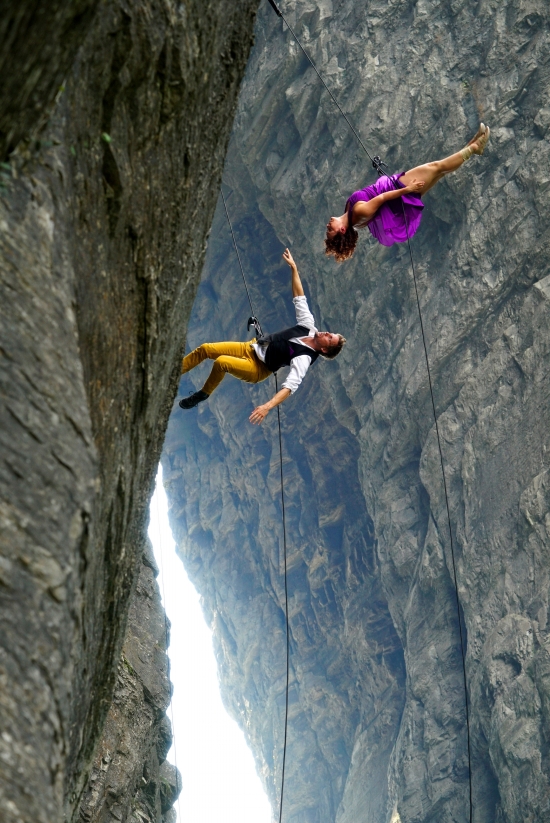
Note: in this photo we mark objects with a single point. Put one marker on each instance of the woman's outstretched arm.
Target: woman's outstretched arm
(366, 209)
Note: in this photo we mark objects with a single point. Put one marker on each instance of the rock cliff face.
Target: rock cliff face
(131, 778)
(377, 717)
(39, 43)
(106, 201)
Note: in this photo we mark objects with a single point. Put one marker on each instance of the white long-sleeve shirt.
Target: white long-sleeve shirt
(298, 365)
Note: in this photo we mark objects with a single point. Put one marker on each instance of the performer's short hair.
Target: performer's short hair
(335, 350)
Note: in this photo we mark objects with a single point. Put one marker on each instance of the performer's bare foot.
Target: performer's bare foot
(480, 132)
(478, 147)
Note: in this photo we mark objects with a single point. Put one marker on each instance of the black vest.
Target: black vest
(280, 352)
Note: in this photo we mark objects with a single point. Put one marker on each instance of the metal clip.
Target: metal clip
(380, 166)
(253, 321)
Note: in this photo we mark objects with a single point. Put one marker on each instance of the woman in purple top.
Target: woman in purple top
(378, 207)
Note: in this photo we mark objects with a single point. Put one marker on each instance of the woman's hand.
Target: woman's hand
(414, 187)
(260, 413)
(288, 258)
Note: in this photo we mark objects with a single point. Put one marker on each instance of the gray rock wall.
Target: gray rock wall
(130, 778)
(39, 44)
(105, 207)
(370, 564)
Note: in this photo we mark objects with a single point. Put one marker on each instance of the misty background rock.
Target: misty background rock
(377, 720)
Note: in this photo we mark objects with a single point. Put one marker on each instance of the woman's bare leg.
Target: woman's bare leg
(432, 173)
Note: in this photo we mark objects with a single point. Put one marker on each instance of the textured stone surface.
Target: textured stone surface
(39, 44)
(104, 213)
(367, 520)
(131, 778)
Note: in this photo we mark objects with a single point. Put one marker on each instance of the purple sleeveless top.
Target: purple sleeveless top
(388, 225)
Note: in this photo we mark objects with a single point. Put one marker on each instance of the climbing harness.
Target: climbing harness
(381, 169)
(253, 321)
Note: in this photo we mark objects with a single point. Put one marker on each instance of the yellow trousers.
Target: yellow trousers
(238, 359)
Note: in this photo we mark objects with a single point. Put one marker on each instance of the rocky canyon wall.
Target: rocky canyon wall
(114, 122)
(377, 715)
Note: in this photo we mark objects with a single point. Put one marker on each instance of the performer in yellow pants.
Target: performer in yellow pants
(297, 347)
(238, 359)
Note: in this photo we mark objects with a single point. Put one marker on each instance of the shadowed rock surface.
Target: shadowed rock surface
(39, 43)
(131, 778)
(377, 720)
(104, 212)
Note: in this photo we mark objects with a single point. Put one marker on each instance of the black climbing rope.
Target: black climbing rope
(286, 605)
(253, 320)
(380, 167)
(375, 160)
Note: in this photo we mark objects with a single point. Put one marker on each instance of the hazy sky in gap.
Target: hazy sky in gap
(220, 784)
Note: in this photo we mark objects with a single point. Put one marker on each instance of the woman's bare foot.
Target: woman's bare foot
(478, 147)
(480, 132)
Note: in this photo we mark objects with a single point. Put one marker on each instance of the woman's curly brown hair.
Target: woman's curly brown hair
(341, 246)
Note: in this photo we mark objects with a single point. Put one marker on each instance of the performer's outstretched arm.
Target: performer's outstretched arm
(368, 208)
(260, 412)
(297, 288)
